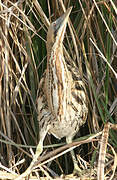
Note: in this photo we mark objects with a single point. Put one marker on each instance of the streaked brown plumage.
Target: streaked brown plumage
(62, 104)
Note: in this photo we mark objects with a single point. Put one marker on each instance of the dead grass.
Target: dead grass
(91, 43)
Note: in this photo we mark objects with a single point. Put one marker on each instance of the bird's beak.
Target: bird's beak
(60, 23)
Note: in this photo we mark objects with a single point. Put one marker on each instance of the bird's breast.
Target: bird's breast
(58, 86)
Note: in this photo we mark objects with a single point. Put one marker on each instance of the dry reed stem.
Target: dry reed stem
(102, 152)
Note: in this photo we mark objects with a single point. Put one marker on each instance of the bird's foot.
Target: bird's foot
(32, 165)
(27, 172)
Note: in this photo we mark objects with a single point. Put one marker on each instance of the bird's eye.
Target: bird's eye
(55, 30)
(54, 24)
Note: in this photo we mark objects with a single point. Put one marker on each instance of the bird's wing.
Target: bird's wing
(44, 115)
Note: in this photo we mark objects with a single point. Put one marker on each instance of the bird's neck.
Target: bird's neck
(57, 83)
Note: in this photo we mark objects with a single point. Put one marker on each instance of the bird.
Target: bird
(62, 102)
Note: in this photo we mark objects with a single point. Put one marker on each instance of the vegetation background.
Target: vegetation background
(90, 41)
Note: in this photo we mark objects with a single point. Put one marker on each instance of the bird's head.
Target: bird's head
(57, 29)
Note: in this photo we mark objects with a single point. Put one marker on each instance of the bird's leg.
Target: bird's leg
(76, 170)
(39, 150)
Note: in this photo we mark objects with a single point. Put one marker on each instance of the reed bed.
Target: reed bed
(91, 43)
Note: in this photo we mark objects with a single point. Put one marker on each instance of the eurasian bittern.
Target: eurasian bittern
(62, 103)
